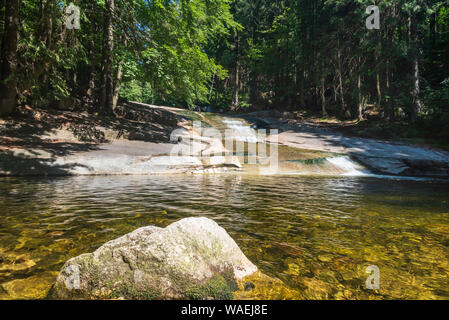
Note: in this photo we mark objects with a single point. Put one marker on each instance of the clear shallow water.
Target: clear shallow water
(317, 234)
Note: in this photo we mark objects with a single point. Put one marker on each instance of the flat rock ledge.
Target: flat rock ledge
(193, 258)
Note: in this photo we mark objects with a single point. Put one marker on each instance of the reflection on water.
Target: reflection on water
(316, 234)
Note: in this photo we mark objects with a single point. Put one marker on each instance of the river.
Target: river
(316, 222)
(317, 234)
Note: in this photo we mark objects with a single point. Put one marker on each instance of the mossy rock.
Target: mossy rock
(193, 258)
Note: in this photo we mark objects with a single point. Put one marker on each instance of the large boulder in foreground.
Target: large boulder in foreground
(193, 258)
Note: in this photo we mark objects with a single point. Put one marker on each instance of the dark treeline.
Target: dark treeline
(310, 55)
(319, 56)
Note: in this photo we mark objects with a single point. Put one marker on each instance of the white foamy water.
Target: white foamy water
(241, 131)
(352, 169)
(349, 167)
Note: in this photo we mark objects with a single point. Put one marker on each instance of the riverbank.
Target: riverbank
(136, 140)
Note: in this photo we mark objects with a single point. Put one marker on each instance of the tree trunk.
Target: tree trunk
(415, 52)
(323, 97)
(346, 112)
(211, 90)
(235, 101)
(2, 20)
(107, 85)
(335, 92)
(302, 100)
(359, 92)
(8, 59)
(388, 94)
(45, 29)
(379, 91)
(119, 74)
(92, 63)
(45, 33)
(117, 85)
(417, 106)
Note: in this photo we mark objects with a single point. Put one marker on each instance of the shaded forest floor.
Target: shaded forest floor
(38, 141)
(372, 128)
(62, 129)
(382, 130)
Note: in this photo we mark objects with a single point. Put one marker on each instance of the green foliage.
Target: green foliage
(435, 117)
(133, 90)
(46, 60)
(173, 61)
(158, 45)
(313, 55)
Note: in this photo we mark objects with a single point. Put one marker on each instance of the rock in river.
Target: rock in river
(193, 258)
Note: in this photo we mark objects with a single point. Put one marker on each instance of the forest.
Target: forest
(315, 56)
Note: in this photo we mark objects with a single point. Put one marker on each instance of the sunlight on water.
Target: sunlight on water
(318, 235)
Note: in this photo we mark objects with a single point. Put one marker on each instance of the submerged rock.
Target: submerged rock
(34, 287)
(193, 258)
(259, 286)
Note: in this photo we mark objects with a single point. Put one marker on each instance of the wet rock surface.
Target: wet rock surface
(34, 287)
(382, 157)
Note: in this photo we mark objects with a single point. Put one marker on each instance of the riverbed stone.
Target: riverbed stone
(12, 261)
(193, 258)
(34, 287)
(260, 286)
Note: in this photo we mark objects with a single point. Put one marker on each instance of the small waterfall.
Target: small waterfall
(349, 167)
(291, 160)
(241, 131)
